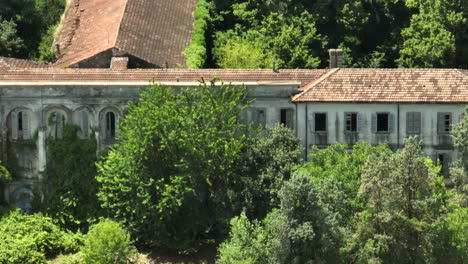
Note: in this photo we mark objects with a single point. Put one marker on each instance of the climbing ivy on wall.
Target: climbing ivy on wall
(70, 173)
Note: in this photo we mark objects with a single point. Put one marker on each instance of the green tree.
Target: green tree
(404, 197)
(337, 165)
(10, 43)
(168, 177)
(433, 34)
(266, 163)
(300, 231)
(449, 237)
(248, 243)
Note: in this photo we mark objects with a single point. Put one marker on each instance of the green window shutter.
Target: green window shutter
(391, 122)
(417, 123)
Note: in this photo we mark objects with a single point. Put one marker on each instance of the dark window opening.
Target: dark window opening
(110, 125)
(283, 117)
(351, 122)
(320, 122)
(382, 122)
(286, 117)
(20, 121)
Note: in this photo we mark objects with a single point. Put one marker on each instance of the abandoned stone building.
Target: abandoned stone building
(107, 53)
(321, 106)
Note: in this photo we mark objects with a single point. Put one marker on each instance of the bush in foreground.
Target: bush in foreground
(33, 239)
(107, 242)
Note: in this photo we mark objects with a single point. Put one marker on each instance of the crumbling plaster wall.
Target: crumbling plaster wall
(68, 100)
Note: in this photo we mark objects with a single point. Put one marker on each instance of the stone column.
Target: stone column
(41, 148)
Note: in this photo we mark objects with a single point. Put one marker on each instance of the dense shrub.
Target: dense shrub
(106, 243)
(70, 173)
(33, 239)
(196, 51)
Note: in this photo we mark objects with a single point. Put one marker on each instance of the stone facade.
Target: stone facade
(36, 103)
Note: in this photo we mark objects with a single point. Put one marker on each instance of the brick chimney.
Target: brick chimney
(336, 58)
(119, 63)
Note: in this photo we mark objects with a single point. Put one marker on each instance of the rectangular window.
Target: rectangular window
(286, 117)
(444, 120)
(382, 122)
(413, 123)
(320, 122)
(350, 122)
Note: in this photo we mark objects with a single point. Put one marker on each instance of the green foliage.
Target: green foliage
(33, 239)
(45, 46)
(196, 51)
(337, 166)
(301, 231)
(433, 34)
(33, 20)
(266, 163)
(4, 174)
(175, 161)
(10, 43)
(71, 172)
(106, 242)
(403, 197)
(290, 41)
(247, 244)
(450, 237)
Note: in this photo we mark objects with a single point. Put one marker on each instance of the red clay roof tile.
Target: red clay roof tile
(389, 85)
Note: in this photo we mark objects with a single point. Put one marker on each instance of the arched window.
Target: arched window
(20, 125)
(56, 121)
(110, 125)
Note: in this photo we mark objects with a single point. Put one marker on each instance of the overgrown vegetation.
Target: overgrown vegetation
(106, 243)
(195, 53)
(187, 169)
(70, 173)
(298, 33)
(406, 215)
(33, 239)
(27, 27)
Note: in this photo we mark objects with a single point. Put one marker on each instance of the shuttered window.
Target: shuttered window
(444, 121)
(413, 123)
(351, 122)
(20, 125)
(56, 121)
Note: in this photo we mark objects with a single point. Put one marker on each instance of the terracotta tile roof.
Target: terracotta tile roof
(90, 27)
(159, 75)
(388, 85)
(156, 31)
(13, 63)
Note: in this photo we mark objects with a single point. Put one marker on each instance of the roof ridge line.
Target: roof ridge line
(315, 82)
(120, 24)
